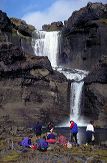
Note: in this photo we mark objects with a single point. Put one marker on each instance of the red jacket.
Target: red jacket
(72, 125)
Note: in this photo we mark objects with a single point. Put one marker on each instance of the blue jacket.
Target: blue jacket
(42, 144)
(74, 129)
(26, 142)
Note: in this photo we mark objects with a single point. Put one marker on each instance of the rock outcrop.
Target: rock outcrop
(84, 37)
(55, 26)
(95, 94)
(16, 31)
(29, 89)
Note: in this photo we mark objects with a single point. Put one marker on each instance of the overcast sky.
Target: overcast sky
(39, 12)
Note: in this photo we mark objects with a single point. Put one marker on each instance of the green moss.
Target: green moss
(2, 144)
(13, 156)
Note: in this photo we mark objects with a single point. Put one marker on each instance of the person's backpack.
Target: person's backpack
(42, 144)
(26, 142)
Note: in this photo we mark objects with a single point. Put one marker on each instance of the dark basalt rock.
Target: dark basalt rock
(16, 31)
(84, 37)
(95, 94)
(29, 88)
(93, 11)
(5, 23)
(99, 73)
(22, 27)
(55, 26)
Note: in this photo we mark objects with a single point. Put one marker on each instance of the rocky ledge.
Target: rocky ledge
(29, 89)
(55, 26)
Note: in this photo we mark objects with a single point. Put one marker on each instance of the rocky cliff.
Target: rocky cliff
(84, 37)
(16, 31)
(95, 94)
(30, 89)
(84, 46)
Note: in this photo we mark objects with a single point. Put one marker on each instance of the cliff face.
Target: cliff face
(29, 88)
(84, 46)
(95, 94)
(16, 31)
(84, 37)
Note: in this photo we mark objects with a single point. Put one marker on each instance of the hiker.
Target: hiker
(26, 142)
(74, 131)
(50, 126)
(51, 137)
(90, 133)
(42, 145)
(38, 129)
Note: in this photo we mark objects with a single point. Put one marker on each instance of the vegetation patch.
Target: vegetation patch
(11, 157)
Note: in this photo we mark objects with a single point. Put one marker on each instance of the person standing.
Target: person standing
(50, 127)
(74, 131)
(38, 129)
(90, 133)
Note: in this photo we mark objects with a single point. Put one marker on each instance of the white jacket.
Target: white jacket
(90, 127)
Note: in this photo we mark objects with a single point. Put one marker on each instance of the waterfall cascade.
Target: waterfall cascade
(47, 44)
(75, 96)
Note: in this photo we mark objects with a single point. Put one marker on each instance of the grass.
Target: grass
(58, 153)
(11, 157)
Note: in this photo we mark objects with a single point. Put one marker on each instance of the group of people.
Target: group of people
(89, 132)
(42, 143)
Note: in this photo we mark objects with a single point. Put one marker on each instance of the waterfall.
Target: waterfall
(47, 44)
(76, 76)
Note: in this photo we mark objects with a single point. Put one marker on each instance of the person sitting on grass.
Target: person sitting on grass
(51, 137)
(42, 144)
(26, 142)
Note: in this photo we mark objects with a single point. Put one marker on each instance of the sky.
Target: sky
(39, 12)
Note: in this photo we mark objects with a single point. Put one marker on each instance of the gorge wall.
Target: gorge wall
(84, 46)
(30, 90)
(95, 94)
(84, 37)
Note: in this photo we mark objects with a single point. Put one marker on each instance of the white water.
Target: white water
(75, 97)
(47, 44)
